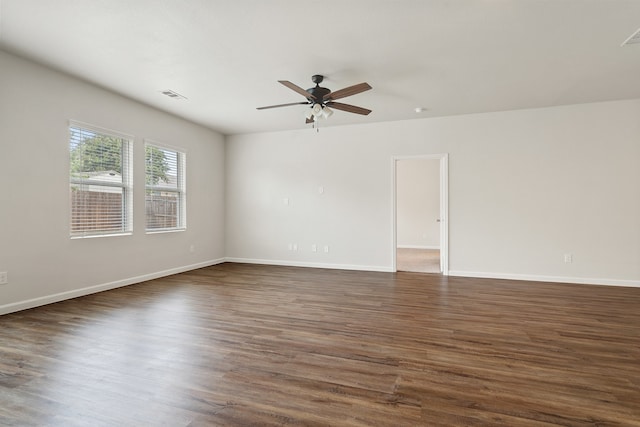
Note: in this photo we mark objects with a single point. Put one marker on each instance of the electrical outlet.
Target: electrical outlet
(314, 248)
(326, 249)
(4, 277)
(568, 258)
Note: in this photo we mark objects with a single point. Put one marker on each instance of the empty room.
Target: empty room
(338, 213)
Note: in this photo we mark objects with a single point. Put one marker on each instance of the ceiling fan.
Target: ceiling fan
(322, 100)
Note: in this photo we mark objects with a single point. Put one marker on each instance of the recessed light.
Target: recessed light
(420, 109)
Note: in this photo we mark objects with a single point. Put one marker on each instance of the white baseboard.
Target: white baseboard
(311, 264)
(49, 299)
(508, 276)
(417, 247)
(555, 279)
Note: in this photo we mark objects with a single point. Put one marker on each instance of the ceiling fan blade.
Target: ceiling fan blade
(348, 108)
(347, 91)
(296, 88)
(282, 105)
(307, 121)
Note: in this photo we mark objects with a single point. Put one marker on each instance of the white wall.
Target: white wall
(43, 263)
(525, 187)
(418, 203)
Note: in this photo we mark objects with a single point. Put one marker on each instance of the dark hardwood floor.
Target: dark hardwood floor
(246, 345)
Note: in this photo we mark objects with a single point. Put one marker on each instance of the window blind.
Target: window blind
(165, 188)
(100, 184)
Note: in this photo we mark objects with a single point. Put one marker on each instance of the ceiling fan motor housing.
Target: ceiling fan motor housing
(317, 93)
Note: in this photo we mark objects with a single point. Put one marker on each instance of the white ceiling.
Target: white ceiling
(448, 56)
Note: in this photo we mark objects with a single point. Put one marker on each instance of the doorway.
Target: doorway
(420, 217)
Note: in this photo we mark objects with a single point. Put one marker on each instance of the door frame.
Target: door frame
(444, 207)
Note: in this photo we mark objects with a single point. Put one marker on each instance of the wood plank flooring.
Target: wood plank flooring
(247, 345)
(418, 260)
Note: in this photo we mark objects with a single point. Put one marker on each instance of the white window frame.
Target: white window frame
(126, 185)
(180, 190)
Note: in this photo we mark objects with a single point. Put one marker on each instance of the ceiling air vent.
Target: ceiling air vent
(172, 94)
(633, 38)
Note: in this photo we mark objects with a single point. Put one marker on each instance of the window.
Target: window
(165, 188)
(100, 182)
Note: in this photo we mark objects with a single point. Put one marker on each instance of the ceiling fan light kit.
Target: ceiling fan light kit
(320, 99)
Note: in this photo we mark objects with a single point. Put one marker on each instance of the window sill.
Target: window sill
(94, 236)
(166, 230)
